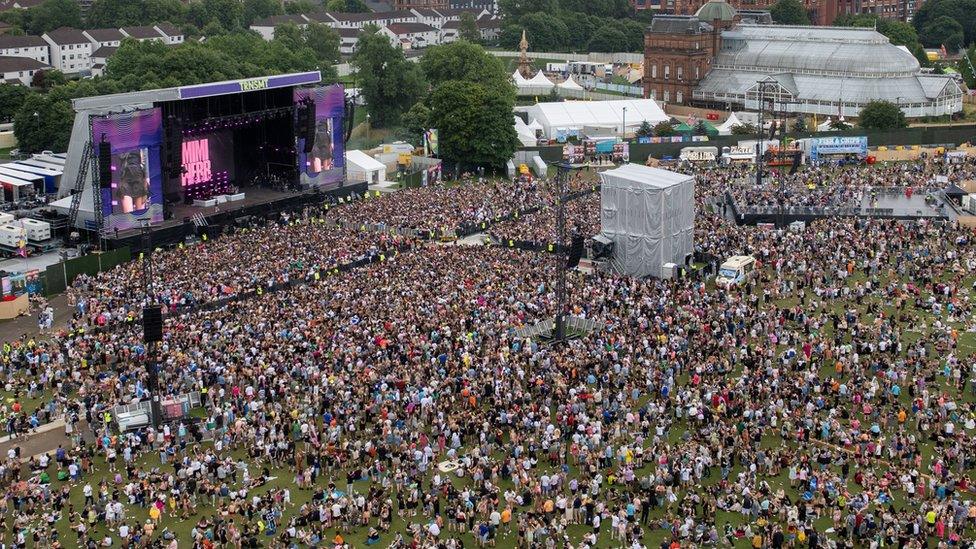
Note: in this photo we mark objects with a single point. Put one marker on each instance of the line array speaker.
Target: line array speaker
(104, 164)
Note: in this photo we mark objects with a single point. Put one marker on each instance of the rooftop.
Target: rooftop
(409, 28)
(276, 20)
(105, 35)
(67, 35)
(677, 24)
(17, 64)
(105, 51)
(7, 41)
(141, 33)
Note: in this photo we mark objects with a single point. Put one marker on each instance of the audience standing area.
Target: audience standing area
(649, 214)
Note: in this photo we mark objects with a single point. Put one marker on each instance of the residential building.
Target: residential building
(172, 36)
(491, 6)
(490, 27)
(411, 4)
(142, 34)
(99, 59)
(360, 20)
(411, 35)
(449, 32)
(32, 47)
(348, 38)
(266, 27)
(104, 37)
(822, 12)
(20, 70)
(70, 50)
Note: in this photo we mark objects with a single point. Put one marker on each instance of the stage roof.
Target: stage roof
(209, 89)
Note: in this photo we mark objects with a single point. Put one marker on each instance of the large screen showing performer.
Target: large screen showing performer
(323, 166)
(136, 190)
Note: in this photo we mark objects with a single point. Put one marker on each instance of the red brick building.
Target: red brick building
(678, 51)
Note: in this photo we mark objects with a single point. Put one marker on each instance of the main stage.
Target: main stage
(177, 159)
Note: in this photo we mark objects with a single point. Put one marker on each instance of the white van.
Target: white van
(736, 270)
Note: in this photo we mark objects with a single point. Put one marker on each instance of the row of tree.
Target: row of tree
(43, 116)
(571, 25)
(457, 88)
(196, 17)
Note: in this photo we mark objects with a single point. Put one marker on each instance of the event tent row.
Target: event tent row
(583, 117)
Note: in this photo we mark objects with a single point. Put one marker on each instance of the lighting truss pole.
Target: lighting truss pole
(152, 363)
(562, 172)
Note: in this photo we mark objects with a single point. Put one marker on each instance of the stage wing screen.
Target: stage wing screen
(323, 167)
(136, 191)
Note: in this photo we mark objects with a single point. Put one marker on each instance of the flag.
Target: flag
(943, 50)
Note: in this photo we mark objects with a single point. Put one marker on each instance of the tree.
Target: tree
(12, 97)
(296, 7)
(839, 125)
(47, 79)
(324, 41)
(645, 129)
(389, 83)
(415, 122)
(468, 28)
(543, 31)
(882, 115)
(463, 61)
(290, 35)
(789, 12)
(116, 13)
(474, 123)
(743, 129)
(513, 9)
(608, 39)
(944, 31)
(259, 9)
(43, 123)
(961, 11)
(347, 6)
(664, 129)
(799, 125)
(50, 15)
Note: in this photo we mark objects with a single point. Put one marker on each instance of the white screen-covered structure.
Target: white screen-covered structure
(649, 214)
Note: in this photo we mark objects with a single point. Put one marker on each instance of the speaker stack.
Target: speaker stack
(173, 143)
(575, 252)
(309, 127)
(152, 324)
(105, 165)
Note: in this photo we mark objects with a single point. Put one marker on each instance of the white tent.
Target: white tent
(535, 125)
(649, 214)
(519, 79)
(571, 88)
(569, 117)
(526, 134)
(362, 167)
(537, 85)
(726, 127)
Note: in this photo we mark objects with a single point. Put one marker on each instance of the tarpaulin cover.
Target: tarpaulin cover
(649, 214)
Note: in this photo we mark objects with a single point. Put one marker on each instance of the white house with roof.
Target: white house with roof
(31, 47)
(70, 50)
(348, 38)
(266, 27)
(411, 35)
(20, 70)
(360, 20)
(104, 37)
(172, 36)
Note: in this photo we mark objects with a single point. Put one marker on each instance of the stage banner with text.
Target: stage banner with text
(323, 166)
(136, 191)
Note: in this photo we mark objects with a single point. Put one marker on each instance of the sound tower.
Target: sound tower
(173, 161)
(575, 252)
(105, 165)
(309, 127)
(301, 119)
(152, 324)
(350, 115)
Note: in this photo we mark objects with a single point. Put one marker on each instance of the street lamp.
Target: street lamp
(367, 129)
(623, 132)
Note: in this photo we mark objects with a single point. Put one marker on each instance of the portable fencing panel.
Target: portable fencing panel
(649, 215)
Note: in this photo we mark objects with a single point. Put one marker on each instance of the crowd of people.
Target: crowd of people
(829, 401)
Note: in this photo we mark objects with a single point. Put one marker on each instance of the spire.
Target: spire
(524, 64)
